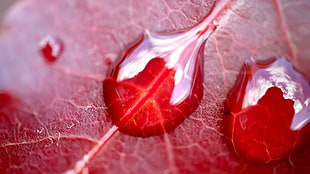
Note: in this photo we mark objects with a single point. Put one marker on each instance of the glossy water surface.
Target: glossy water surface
(269, 110)
(158, 82)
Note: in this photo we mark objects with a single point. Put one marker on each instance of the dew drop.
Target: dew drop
(269, 111)
(51, 48)
(158, 82)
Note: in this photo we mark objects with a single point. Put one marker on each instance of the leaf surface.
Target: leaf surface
(56, 116)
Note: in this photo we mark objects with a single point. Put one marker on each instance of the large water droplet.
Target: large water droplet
(158, 82)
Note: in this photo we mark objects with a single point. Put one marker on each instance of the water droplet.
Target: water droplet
(158, 82)
(269, 111)
(51, 48)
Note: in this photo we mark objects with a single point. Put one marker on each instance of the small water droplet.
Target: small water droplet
(51, 48)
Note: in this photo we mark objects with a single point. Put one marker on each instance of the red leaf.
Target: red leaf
(56, 117)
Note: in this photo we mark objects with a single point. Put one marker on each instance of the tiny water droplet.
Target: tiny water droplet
(51, 48)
